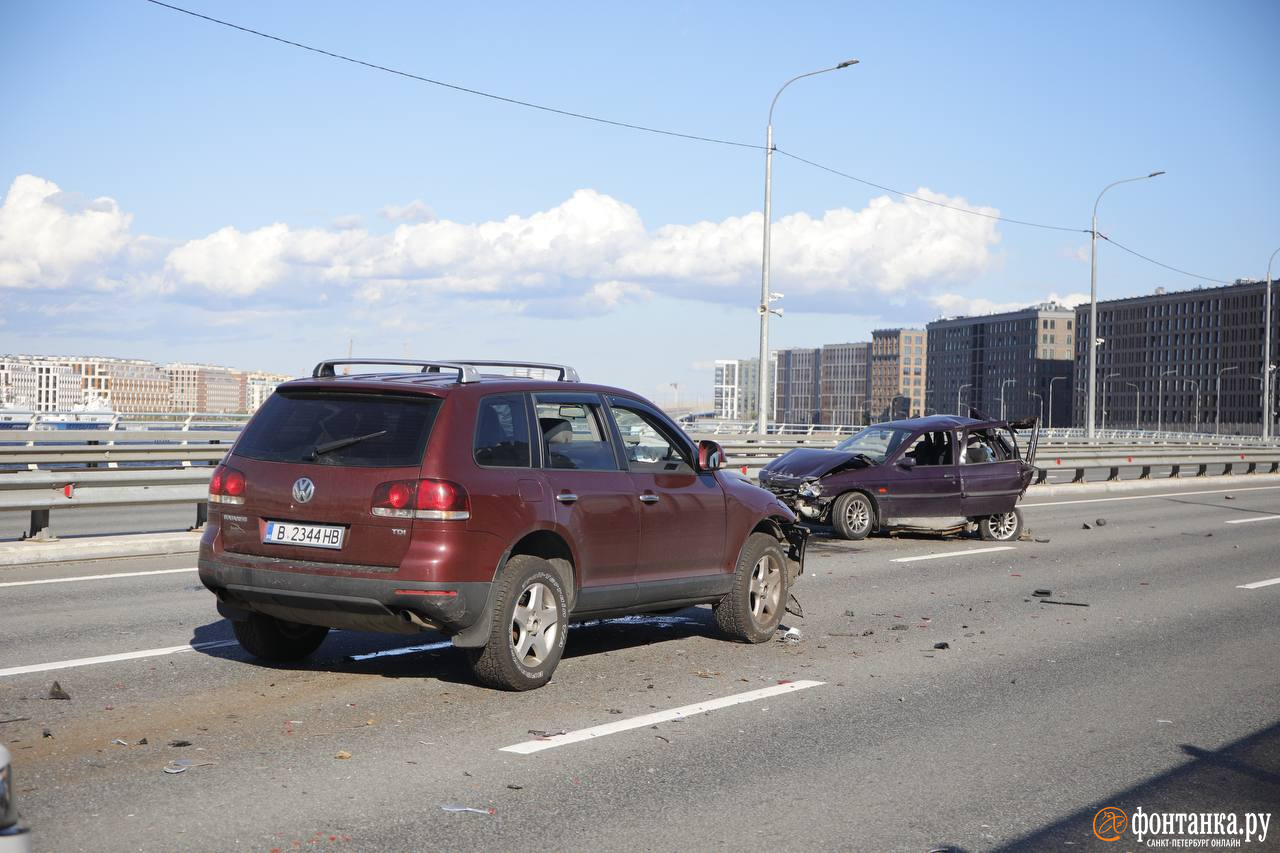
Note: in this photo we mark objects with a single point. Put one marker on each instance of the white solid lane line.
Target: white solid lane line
(953, 554)
(1259, 584)
(144, 653)
(1251, 520)
(1148, 497)
(657, 717)
(98, 577)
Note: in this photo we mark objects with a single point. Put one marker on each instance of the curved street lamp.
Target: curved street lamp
(1002, 384)
(1105, 379)
(1093, 302)
(767, 297)
(958, 392)
(1217, 400)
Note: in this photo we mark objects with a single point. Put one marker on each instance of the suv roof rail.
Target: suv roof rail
(466, 372)
(567, 373)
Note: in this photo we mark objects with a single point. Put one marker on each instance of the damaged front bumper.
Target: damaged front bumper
(797, 537)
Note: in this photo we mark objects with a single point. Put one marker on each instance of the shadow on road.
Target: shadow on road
(1243, 776)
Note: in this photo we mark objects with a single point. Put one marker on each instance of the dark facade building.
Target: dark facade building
(1184, 361)
(898, 370)
(845, 380)
(1010, 365)
(798, 386)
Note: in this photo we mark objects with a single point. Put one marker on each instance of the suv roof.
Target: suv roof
(435, 377)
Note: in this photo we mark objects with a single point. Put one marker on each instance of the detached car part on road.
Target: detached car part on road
(491, 507)
(938, 471)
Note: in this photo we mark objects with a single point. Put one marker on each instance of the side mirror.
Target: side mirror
(711, 456)
(906, 462)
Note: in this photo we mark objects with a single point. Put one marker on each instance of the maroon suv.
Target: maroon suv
(491, 507)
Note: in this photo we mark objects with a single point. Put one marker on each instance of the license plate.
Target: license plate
(307, 535)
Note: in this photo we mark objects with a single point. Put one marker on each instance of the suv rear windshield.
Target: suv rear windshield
(391, 431)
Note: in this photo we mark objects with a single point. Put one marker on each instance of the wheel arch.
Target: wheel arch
(547, 545)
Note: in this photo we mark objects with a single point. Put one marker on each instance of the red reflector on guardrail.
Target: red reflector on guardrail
(69, 490)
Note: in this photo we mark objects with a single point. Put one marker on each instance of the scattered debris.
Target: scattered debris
(1056, 601)
(516, 787)
(46, 733)
(867, 633)
(15, 720)
(56, 692)
(898, 627)
(182, 765)
(1043, 592)
(142, 742)
(942, 646)
(1225, 498)
(703, 673)
(1166, 722)
(613, 710)
(1101, 522)
(468, 809)
(789, 635)
(1086, 526)
(850, 613)
(539, 734)
(663, 739)
(1043, 541)
(343, 755)
(179, 743)
(120, 742)
(794, 608)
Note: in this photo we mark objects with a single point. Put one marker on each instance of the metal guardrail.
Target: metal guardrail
(174, 466)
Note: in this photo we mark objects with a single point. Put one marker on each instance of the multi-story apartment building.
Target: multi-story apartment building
(258, 387)
(121, 384)
(38, 384)
(845, 383)
(1010, 365)
(204, 388)
(1006, 365)
(799, 386)
(1188, 360)
(737, 384)
(898, 373)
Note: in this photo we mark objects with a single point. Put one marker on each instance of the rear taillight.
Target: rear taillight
(226, 486)
(437, 500)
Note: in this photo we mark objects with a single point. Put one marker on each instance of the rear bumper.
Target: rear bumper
(339, 601)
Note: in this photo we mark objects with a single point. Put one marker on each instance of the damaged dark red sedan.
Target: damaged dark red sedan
(939, 472)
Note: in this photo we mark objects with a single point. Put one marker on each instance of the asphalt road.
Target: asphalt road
(1163, 693)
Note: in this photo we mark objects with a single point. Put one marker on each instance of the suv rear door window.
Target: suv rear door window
(342, 428)
(573, 436)
(502, 432)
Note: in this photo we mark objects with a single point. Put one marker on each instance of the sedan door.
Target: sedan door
(924, 478)
(990, 473)
(682, 513)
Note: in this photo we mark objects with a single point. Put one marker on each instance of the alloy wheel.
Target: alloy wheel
(535, 624)
(766, 589)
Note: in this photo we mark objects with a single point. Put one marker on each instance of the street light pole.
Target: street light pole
(1217, 400)
(766, 296)
(1002, 384)
(1093, 302)
(1041, 399)
(1266, 354)
(1137, 405)
(1105, 379)
(1051, 381)
(1160, 399)
(958, 392)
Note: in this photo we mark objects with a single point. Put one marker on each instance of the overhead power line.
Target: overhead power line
(663, 132)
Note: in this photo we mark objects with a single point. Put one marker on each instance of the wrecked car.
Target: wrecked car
(941, 472)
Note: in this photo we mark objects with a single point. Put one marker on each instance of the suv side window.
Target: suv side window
(645, 445)
(502, 432)
(573, 436)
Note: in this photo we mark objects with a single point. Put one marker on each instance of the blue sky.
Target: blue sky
(174, 189)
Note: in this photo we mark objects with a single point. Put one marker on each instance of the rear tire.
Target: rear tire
(752, 610)
(530, 622)
(1003, 527)
(277, 640)
(852, 516)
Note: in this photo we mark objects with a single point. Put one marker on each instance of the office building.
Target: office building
(737, 384)
(1010, 365)
(845, 383)
(36, 384)
(1188, 360)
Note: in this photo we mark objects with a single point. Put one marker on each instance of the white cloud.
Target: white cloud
(53, 239)
(232, 261)
(348, 221)
(414, 211)
(959, 305)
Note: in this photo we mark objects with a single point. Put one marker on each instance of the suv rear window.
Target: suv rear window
(290, 427)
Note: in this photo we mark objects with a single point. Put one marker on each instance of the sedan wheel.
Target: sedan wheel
(1003, 527)
(851, 516)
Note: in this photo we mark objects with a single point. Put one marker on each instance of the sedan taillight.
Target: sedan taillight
(435, 500)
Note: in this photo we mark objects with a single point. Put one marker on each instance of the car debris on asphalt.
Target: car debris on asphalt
(488, 811)
(56, 692)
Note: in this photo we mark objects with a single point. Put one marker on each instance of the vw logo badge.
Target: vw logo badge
(303, 490)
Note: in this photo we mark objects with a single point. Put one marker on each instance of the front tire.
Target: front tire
(1003, 527)
(852, 516)
(277, 640)
(752, 610)
(530, 626)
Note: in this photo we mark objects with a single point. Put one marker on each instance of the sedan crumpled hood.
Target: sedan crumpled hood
(806, 462)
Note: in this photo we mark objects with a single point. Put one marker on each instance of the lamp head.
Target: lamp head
(846, 63)
(1155, 174)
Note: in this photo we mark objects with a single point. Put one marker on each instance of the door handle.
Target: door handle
(566, 497)
(648, 499)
